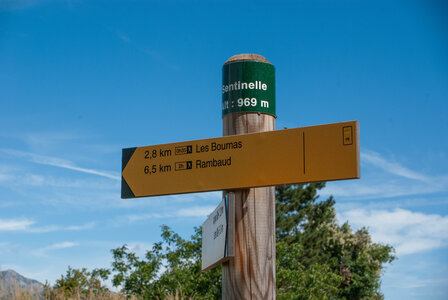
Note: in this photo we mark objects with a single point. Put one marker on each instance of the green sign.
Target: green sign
(248, 86)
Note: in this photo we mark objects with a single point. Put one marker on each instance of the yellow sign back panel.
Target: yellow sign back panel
(300, 155)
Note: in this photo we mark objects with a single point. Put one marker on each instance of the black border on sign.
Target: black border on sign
(126, 191)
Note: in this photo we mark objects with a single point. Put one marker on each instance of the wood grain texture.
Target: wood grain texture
(247, 57)
(251, 273)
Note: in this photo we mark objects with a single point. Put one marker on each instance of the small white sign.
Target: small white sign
(215, 236)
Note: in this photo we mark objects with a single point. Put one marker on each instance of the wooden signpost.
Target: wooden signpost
(246, 163)
(251, 273)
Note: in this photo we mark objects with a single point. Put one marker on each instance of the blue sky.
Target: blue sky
(80, 80)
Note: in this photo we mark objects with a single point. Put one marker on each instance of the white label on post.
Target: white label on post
(214, 233)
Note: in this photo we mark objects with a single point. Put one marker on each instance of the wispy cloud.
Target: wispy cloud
(143, 217)
(394, 180)
(213, 197)
(44, 229)
(4, 203)
(23, 179)
(48, 140)
(190, 212)
(123, 37)
(63, 245)
(409, 232)
(196, 211)
(15, 224)
(53, 247)
(58, 162)
(86, 226)
(414, 203)
(379, 189)
(391, 167)
(145, 50)
(413, 282)
(52, 228)
(7, 248)
(27, 225)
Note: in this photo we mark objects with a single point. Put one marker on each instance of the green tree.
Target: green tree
(319, 259)
(171, 266)
(78, 284)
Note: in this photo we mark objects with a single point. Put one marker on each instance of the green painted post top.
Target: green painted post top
(248, 85)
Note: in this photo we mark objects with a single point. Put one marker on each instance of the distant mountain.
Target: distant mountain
(11, 282)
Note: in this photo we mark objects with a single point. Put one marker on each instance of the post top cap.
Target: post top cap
(247, 57)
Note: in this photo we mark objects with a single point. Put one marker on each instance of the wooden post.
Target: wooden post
(251, 273)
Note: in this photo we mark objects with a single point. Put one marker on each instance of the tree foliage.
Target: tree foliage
(78, 284)
(170, 266)
(316, 258)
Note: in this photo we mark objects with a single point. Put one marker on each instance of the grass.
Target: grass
(15, 292)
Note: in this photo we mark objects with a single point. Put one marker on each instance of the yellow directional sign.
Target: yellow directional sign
(299, 155)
